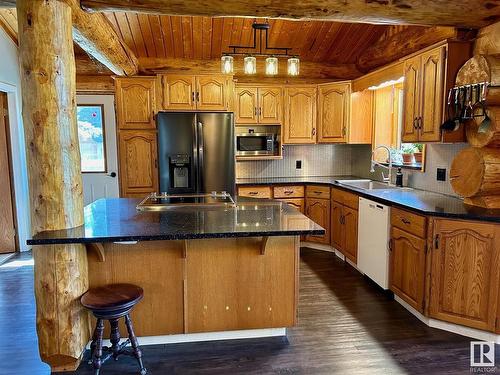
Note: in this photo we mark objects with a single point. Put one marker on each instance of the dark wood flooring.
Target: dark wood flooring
(346, 326)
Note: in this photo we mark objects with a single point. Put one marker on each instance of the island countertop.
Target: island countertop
(117, 220)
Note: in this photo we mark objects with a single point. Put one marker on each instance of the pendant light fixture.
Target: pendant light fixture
(250, 65)
(293, 66)
(271, 66)
(227, 64)
(260, 49)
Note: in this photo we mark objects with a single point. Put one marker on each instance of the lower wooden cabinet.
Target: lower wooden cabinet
(407, 267)
(344, 230)
(138, 162)
(465, 273)
(255, 191)
(298, 203)
(318, 210)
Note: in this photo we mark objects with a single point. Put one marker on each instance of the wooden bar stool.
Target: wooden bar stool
(112, 302)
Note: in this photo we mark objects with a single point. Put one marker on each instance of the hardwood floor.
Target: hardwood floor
(346, 326)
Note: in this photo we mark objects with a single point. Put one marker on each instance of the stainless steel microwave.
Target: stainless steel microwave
(248, 144)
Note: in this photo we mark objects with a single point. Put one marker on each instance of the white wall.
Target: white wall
(10, 83)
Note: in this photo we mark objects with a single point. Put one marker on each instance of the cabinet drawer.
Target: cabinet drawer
(288, 191)
(410, 222)
(317, 191)
(255, 191)
(347, 199)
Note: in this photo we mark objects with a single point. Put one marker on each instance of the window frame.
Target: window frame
(103, 138)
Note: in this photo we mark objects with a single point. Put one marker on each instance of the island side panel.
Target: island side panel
(232, 286)
(158, 268)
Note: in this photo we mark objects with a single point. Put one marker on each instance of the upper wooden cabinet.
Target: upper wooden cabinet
(188, 92)
(258, 105)
(135, 102)
(333, 112)
(300, 115)
(138, 162)
(428, 77)
(465, 273)
(179, 92)
(361, 120)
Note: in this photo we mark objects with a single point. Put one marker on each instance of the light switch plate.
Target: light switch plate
(298, 164)
(441, 174)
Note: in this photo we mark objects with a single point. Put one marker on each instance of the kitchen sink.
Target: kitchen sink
(371, 185)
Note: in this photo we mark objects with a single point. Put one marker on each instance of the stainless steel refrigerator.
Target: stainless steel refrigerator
(196, 152)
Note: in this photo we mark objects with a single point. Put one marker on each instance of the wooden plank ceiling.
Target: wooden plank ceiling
(187, 37)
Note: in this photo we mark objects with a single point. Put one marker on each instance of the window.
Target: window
(91, 137)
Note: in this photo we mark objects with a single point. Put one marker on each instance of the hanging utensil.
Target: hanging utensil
(449, 124)
(485, 125)
(458, 95)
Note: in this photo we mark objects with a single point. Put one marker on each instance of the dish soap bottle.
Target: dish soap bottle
(399, 178)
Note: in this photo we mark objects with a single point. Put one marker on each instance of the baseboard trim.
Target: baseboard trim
(208, 336)
(473, 333)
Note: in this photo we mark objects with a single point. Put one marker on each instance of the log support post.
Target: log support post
(49, 117)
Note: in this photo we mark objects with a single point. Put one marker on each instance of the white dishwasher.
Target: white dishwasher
(373, 241)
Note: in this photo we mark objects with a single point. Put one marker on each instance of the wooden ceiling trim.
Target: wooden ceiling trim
(135, 29)
(322, 52)
(158, 38)
(177, 37)
(206, 39)
(197, 38)
(187, 37)
(166, 30)
(125, 31)
(147, 34)
(217, 26)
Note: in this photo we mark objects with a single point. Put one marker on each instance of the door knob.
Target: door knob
(112, 174)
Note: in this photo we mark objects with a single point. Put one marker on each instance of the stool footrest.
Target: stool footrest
(109, 352)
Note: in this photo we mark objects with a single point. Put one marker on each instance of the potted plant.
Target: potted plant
(418, 153)
(407, 153)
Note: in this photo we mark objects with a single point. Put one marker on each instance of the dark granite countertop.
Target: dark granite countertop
(117, 220)
(421, 201)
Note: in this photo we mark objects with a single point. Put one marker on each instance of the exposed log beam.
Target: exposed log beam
(464, 13)
(47, 69)
(307, 69)
(95, 35)
(7, 3)
(401, 44)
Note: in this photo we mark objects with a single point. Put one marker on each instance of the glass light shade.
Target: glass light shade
(227, 64)
(271, 66)
(250, 65)
(293, 66)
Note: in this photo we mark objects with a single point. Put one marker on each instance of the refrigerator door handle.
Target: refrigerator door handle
(195, 157)
(201, 146)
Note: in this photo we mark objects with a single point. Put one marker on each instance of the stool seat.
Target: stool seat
(112, 296)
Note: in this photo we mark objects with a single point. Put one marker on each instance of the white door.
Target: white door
(98, 148)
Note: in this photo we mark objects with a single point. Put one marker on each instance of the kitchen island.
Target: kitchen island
(216, 272)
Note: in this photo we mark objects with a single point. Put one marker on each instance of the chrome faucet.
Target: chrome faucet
(385, 178)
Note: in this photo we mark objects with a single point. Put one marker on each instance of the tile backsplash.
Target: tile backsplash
(317, 160)
(343, 160)
(437, 156)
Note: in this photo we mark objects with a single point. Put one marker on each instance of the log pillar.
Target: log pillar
(49, 116)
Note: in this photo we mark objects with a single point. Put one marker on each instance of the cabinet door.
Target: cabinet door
(298, 203)
(246, 105)
(350, 233)
(407, 268)
(411, 101)
(135, 102)
(465, 273)
(300, 115)
(333, 113)
(179, 92)
(138, 163)
(211, 93)
(270, 105)
(361, 118)
(318, 210)
(337, 227)
(432, 92)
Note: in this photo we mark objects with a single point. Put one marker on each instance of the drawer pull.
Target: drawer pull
(317, 192)
(253, 193)
(288, 192)
(405, 221)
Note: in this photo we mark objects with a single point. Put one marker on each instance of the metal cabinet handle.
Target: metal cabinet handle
(419, 122)
(313, 131)
(197, 96)
(253, 193)
(415, 123)
(316, 192)
(288, 192)
(255, 111)
(436, 241)
(193, 96)
(405, 221)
